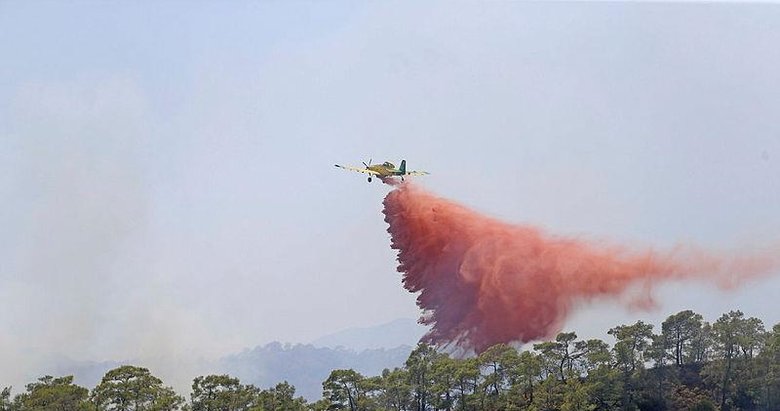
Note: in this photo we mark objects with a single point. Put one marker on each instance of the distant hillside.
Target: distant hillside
(367, 350)
(404, 331)
(306, 366)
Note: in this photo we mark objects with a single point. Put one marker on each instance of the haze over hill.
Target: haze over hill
(367, 350)
(403, 331)
(306, 366)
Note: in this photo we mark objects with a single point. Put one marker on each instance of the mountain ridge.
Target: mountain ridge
(401, 331)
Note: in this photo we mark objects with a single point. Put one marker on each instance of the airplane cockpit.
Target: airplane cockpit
(388, 164)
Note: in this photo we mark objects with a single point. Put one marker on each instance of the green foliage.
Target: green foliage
(345, 389)
(467, 376)
(576, 396)
(5, 399)
(394, 391)
(677, 333)
(768, 365)
(221, 392)
(607, 387)
(496, 364)
(420, 364)
(50, 394)
(443, 372)
(134, 388)
(559, 356)
(632, 340)
(166, 399)
(733, 372)
(279, 398)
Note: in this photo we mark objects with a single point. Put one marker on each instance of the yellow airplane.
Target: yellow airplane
(384, 170)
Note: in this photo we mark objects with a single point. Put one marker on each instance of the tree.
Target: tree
(769, 363)
(594, 354)
(632, 340)
(524, 375)
(560, 355)
(576, 396)
(5, 399)
(725, 331)
(496, 362)
(549, 394)
(751, 336)
(166, 399)
(281, 398)
(419, 364)
(221, 392)
(678, 330)
(701, 344)
(53, 394)
(658, 351)
(443, 371)
(607, 387)
(131, 388)
(629, 349)
(344, 389)
(466, 382)
(394, 392)
(736, 340)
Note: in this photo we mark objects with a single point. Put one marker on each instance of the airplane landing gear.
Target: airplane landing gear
(369, 179)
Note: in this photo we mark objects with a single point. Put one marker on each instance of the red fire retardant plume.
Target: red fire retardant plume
(483, 282)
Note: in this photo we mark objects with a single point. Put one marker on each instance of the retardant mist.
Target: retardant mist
(482, 281)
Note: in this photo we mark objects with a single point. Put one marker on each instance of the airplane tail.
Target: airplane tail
(402, 169)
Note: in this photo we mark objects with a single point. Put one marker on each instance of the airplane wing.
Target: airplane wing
(359, 170)
(417, 173)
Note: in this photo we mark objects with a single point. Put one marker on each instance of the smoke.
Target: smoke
(81, 277)
(482, 281)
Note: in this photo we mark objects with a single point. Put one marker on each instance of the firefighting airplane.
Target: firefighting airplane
(384, 170)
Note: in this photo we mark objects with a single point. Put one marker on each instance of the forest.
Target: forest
(732, 363)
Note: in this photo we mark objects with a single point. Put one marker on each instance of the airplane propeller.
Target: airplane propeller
(369, 163)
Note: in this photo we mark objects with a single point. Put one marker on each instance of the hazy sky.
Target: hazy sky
(167, 181)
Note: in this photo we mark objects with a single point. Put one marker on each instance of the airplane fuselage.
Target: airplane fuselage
(385, 170)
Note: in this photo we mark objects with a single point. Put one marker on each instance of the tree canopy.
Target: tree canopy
(731, 364)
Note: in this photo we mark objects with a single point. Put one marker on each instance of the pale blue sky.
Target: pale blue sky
(166, 169)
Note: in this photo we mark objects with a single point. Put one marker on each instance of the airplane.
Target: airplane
(384, 170)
